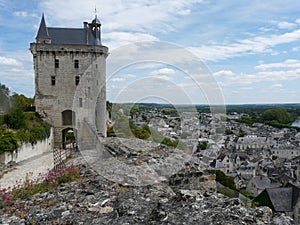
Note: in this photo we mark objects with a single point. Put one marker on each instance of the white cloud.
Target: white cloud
(122, 78)
(184, 12)
(9, 61)
(163, 71)
(258, 44)
(286, 25)
(246, 88)
(127, 76)
(25, 14)
(118, 39)
(289, 63)
(223, 73)
(263, 76)
(117, 79)
(164, 77)
(147, 65)
(16, 72)
(21, 13)
(298, 21)
(122, 15)
(266, 29)
(277, 86)
(296, 49)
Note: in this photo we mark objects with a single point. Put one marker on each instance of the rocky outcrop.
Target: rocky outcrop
(185, 196)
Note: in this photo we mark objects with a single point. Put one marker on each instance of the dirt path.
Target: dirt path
(32, 166)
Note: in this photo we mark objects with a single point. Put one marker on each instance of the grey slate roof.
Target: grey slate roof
(67, 35)
(43, 31)
(281, 198)
(73, 36)
(261, 182)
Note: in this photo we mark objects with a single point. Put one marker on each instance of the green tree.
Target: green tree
(15, 119)
(70, 136)
(4, 98)
(8, 141)
(109, 106)
(21, 101)
(202, 145)
(278, 115)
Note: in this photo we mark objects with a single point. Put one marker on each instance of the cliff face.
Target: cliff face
(185, 195)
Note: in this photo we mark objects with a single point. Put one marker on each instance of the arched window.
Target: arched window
(67, 117)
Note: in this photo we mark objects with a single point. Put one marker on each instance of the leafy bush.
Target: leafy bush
(15, 119)
(225, 180)
(1, 120)
(25, 131)
(140, 133)
(38, 132)
(8, 141)
(126, 128)
(202, 145)
(23, 136)
(27, 126)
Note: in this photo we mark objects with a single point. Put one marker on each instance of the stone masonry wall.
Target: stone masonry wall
(52, 100)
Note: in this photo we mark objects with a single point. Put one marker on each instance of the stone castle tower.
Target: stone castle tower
(64, 58)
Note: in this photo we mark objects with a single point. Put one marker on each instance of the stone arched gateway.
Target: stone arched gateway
(66, 136)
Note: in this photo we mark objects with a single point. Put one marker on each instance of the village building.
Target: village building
(252, 142)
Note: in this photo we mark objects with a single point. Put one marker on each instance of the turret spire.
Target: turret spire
(43, 35)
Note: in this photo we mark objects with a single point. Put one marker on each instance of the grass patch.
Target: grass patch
(227, 192)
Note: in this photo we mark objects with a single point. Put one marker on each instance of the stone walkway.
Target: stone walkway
(31, 167)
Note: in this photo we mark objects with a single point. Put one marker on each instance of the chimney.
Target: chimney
(86, 26)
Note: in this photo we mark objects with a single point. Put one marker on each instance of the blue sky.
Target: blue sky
(251, 47)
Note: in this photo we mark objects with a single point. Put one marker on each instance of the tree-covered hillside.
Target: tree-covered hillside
(17, 124)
